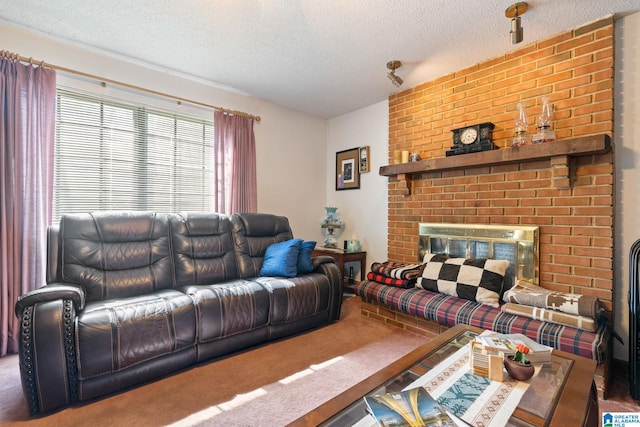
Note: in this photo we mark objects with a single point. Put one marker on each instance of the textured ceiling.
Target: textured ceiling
(322, 57)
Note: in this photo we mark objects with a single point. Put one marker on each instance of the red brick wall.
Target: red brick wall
(575, 70)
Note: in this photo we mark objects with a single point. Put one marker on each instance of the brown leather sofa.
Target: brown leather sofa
(132, 296)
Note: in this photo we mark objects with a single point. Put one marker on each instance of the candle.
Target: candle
(397, 156)
(405, 156)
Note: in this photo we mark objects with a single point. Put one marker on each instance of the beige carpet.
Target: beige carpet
(268, 386)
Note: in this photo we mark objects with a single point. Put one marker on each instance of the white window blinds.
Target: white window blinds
(115, 155)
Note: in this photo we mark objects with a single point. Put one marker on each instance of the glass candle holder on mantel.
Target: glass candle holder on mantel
(520, 127)
(545, 133)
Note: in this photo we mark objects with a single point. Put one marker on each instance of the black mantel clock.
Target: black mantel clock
(472, 139)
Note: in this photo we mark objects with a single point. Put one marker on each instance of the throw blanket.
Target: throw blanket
(394, 274)
(578, 322)
(528, 294)
(396, 270)
(398, 283)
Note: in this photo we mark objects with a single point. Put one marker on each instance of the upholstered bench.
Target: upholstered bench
(449, 311)
(446, 311)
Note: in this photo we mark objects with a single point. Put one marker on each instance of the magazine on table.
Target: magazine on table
(506, 343)
(409, 408)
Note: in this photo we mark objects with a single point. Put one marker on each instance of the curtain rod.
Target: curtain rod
(15, 56)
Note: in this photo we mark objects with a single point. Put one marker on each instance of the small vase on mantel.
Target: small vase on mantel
(331, 226)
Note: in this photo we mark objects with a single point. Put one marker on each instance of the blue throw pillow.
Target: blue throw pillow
(281, 259)
(305, 265)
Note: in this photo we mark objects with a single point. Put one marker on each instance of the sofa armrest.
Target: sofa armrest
(319, 260)
(52, 292)
(47, 350)
(329, 267)
(53, 254)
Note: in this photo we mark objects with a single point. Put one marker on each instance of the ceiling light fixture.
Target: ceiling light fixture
(393, 65)
(514, 12)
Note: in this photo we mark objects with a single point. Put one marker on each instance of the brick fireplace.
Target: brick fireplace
(566, 189)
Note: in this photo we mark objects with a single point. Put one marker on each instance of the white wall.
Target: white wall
(291, 146)
(364, 210)
(627, 161)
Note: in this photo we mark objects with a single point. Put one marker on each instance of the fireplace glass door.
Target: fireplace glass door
(517, 244)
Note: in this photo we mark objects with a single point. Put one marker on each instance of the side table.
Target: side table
(343, 257)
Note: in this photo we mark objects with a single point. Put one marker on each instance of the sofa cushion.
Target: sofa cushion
(305, 265)
(229, 308)
(297, 303)
(253, 233)
(116, 254)
(477, 280)
(118, 334)
(203, 250)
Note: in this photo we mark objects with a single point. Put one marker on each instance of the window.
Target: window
(115, 155)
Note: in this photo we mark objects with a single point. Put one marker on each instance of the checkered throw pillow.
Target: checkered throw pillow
(477, 280)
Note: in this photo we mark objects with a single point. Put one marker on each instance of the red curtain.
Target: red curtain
(27, 129)
(235, 169)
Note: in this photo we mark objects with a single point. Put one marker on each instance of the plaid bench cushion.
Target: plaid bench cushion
(449, 311)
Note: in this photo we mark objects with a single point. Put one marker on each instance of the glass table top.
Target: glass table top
(538, 401)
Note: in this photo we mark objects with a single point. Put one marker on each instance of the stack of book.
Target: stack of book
(506, 343)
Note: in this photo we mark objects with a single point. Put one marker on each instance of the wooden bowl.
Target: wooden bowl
(518, 371)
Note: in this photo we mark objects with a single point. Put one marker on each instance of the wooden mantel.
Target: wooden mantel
(558, 151)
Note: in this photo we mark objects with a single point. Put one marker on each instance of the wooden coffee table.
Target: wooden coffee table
(562, 394)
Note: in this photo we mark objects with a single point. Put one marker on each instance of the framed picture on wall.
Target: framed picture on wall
(348, 169)
(364, 159)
